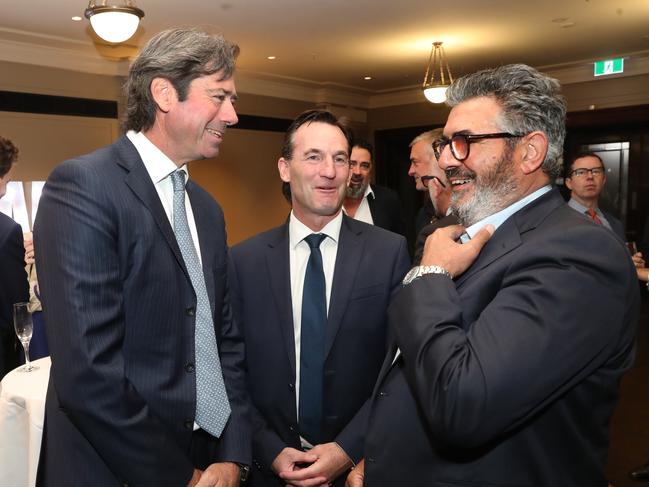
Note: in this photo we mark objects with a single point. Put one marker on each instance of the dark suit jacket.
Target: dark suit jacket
(119, 312)
(427, 230)
(370, 264)
(509, 374)
(14, 288)
(616, 225)
(385, 208)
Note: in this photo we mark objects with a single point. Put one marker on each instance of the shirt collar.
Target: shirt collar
(368, 191)
(157, 164)
(297, 230)
(499, 218)
(579, 207)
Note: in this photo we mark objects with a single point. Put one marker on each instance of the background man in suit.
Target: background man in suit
(512, 345)
(310, 371)
(421, 156)
(585, 180)
(14, 287)
(132, 270)
(370, 203)
(439, 190)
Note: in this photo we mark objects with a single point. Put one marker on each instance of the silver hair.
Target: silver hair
(429, 137)
(529, 99)
(179, 55)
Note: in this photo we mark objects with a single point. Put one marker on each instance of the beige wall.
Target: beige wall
(244, 178)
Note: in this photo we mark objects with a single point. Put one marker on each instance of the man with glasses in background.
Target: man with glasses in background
(585, 180)
(509, 343)
(439, 190)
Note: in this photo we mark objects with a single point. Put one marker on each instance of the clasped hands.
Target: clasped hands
(318, 467)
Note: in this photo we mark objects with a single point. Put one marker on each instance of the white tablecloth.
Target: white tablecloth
(22, 409)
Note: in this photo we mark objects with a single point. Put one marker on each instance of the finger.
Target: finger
(482, 237)
(452, 231)
(312, 482)
(310, 472)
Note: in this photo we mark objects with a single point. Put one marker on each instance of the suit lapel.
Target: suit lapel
(139, 181)
(348, 258)
(277, 261)
(508, 235)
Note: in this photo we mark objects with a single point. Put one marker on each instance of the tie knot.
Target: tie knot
(178, 180)
(591, 213)
(314, 240)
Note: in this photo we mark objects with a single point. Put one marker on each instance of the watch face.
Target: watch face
(412, 273)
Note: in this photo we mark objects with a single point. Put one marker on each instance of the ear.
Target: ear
(284, 170)
(568, 183)
(163, 93)
(533, 151)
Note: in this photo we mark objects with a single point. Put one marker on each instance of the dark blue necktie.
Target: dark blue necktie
(314, 324)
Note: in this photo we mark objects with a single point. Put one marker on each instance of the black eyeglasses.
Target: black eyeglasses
(425, 179)
(461, 143)
(581, 172)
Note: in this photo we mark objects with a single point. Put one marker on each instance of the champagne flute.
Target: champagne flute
(24, 329)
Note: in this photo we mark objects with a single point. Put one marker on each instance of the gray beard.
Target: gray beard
(493, 192)
(356, 193)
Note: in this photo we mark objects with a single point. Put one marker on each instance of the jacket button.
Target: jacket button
(371, 459)
(383, 394)
(291, 428)
(189, 367)
(291, 386)
(191, 311)
(188, 424)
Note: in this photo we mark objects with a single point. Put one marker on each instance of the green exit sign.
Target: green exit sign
(609, 66)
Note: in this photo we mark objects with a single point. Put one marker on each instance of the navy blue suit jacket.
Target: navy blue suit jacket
(509, 374)
(119, 312)
(370, 264)
(14, 288)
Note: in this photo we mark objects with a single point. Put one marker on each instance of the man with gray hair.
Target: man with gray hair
(421, 157)
(147, 384)
(511, 342)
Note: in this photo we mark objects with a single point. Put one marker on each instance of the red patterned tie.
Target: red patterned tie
(593, 215)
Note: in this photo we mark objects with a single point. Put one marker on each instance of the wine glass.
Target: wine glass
(24, 328)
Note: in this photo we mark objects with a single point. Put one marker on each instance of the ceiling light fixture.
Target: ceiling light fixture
(114, 23)
(438, 75)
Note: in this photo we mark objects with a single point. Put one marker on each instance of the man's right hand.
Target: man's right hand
(196, 476)
(289, 459)
(357, 476)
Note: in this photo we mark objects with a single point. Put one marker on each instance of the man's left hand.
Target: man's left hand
(637, 259)
(224, 474)
(441, 248)
(331, 463)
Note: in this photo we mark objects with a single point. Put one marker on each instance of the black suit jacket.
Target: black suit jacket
(14, 288)
(385, 208)
(370, 264)
(427, 230)
(509, 374)
(119, 313)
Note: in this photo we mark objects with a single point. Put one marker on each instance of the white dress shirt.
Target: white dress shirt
(299, 253)
(363, 212)
(160, 167)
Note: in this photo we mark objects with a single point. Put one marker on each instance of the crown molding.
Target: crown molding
(109, 60)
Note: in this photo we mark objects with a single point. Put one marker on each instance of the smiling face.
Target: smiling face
(487, 181)
(318, 172)
(193, 129)
(360, 165)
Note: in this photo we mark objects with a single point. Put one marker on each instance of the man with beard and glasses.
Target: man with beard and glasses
(367, 202)
(509, 343)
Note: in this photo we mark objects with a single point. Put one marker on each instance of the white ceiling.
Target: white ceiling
(335, 43)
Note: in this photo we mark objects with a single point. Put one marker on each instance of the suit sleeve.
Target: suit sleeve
(14, 287)
(556, 316)
(352, 437)
(80, 274)
(266, 443)
(235, 442)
